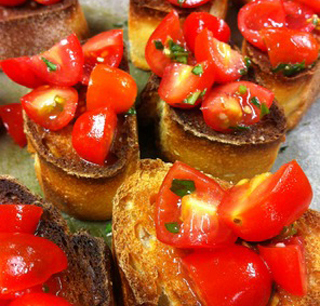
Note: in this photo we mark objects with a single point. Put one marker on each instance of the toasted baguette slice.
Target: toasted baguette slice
(295, 94)
(183, 135)
(82, 189)
(87, 281)
(151, 271)
(32, 28)
(145, 16)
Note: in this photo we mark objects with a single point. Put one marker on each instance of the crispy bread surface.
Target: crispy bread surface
(145, 15)
(151, 271)
(33, 28)
(87, 281)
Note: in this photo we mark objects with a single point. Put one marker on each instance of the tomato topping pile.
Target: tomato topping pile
(27, 261)
(194, 212)
(188, 3)
(20, 2)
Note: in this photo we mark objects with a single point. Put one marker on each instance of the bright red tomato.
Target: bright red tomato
(93, 134)
(120, 87)
(166, 44)
(62, 65)
(40, 299)
(188, 3)
(106, 48)
(19, 218)
(12, 2)
(27, 261)
(20, 71)
(11, 116)
(51, 107)
(286, 46)
(196, 22)
(236, 105)
(233, 276)
(286, 260)
(258, 209)
(4, 303)
(186, 210)
(17, 294)
(257, 15)
(184, 86)
(47, 2)
(228, 64)
(314, 4)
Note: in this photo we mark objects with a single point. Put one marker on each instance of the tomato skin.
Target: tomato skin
(52, 107)
(40, 299)
(179, 82)
(259, 209)
(196, 22)
(107, 47)
(290, 46)
(93, 134)
(47, 2)
(200, 226)
(28, 261)
(11, 115)
(121, 88)
(257, 15)
(18, 294)
(168, 28)
(189, 3)
(228, 64)
(286, 261)
(19, 218)
(233, 276)
(67, 56)
(20, 71)
(12, 2)
(314, 4)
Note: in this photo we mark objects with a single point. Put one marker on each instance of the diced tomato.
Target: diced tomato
(62, 65)
(17, 294)
(186, 210)
(230, 276)
(51, 107)
(11, 116)
(184, 86)
(40, 299)
(314, 4)
(228, 64)
(106, 48)
(196, 22)
(286, 260)
(258, 209)
(4, 303)
(286, 46)
(166, 44)
(12, 2)
(47, 2)
(188, 3)
(19, 218)
(236, 105)
(27, 261)
(257, 15)
(93, 134)
(111, 87)
(20, 71)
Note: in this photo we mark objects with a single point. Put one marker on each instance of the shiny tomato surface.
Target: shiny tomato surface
(314, 4)
(12, 2)
(40, 299)
(47, 2)
(188, 3)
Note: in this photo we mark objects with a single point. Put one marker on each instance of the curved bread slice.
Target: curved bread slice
(145, 15)
(33, 28)
(295, 94)
(87, 281)
(151, 271)
(183, 135)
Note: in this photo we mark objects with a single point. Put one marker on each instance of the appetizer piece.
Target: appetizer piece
(68, 269)
(29, 27)
(146, 15)
(284, 48)
(232, 130)
(174, 233)
(84, 138)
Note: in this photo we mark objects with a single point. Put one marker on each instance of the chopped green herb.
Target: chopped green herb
(255, 102)
(181, 2)
(289, 69)
(240, 128)
(131, 111)
(287, 232)
(282, 149)
(109, 228)
(51, 66)
(182, 187)
(46, 288)
(158, 44)
(193, 98)
(176, 52)
(197, 70)
(173, 227)
(203, 93)
(242, 89)
(247, 61)
(264, 110)
(243, 71)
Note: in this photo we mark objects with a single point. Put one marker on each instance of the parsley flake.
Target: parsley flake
(173, 227)
(182, 187)
(51, 66)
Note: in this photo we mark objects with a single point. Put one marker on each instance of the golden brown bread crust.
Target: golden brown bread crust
(151, 272)
(145, 15)
(28, 31)
(295, 94)
(183, 135)
(87, 281)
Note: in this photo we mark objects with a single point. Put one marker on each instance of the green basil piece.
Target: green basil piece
(158, 44)
(51, 66)
(240, 128)
(131, 111)
(197, 70)
(173, 227)
(193, 98)
(264, 110)
(255, 101)
(109, 228)
(243, 89)
(182, 187)
(247, 61)
(289, 69)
